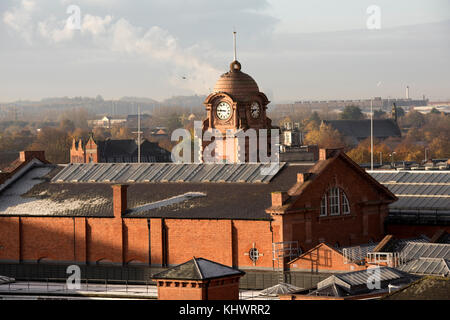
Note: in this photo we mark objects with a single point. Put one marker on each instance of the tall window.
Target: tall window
(334, 202)
(333, 196)
(323, 206)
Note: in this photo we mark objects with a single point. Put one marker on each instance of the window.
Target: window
(333, 202)
(333, 196)
(323, 206)
(254, 254)
(345, 204)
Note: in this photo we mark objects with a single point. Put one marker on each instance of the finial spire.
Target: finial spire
(234, 41)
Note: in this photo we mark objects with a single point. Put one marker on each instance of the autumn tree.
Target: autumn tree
(351, 113)
(55, 142)
(325, 136)
(362, 152)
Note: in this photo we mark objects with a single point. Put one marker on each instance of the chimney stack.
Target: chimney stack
(303, 177)
(325, 154)
(279, 198)
(120, 203)
(28, 155)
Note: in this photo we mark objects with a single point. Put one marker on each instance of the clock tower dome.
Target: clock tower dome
(236, 105)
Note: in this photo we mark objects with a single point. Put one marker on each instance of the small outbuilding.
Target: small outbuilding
(199, 279)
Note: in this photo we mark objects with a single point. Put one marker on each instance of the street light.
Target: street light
(426, 158)
(381, 158)
(392, 159)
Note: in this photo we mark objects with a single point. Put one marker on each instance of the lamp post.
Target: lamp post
(371, 134)
(392, 159)
(426, 158)
(381, 158)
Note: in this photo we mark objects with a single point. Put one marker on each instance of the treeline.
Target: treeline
(421, 133)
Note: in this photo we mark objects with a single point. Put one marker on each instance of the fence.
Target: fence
(142, 275)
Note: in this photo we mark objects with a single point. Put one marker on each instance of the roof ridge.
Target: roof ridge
(198, 268)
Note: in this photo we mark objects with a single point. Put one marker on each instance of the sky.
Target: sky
(295, 50)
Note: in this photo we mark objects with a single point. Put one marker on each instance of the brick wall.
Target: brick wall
(364, 223)
(216, 289)
(323, 259)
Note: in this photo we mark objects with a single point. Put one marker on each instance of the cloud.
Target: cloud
(19, 19)
(151, 45)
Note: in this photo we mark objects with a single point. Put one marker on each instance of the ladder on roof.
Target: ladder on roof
(282, 251)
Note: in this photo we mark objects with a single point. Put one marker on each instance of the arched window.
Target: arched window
(334, 202)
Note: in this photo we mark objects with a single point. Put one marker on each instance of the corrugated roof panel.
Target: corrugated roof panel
(165, 172)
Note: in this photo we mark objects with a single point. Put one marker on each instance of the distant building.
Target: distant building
(359, 130)
(105, 122)
(116, 151)
(377, 102)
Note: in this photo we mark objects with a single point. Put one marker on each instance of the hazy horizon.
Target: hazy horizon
(306, 50)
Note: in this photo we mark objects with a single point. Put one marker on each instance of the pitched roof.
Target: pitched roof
(36, 195)
(5, 280)
(426, 288)
(428, 266)
(415, 250)
(424, 192)
(281, 288)
(198, 269)
(315, 171)
(360, 129)
(166, 172)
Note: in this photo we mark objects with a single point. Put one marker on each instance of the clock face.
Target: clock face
(255, 110)
(223, 111)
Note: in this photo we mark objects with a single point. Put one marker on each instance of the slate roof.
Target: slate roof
(360, 129)
(36, 195)
(427, 288)
(198, 269)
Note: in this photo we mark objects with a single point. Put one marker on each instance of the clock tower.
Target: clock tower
(235, 106)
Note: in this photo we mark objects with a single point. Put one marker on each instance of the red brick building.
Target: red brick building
(199, 279)
(116, 151)
(71, 214)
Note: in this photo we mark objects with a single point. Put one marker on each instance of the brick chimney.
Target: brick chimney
(28, 155)
(325, 154)
(303, 177)
(120, 203)
(279, 198)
